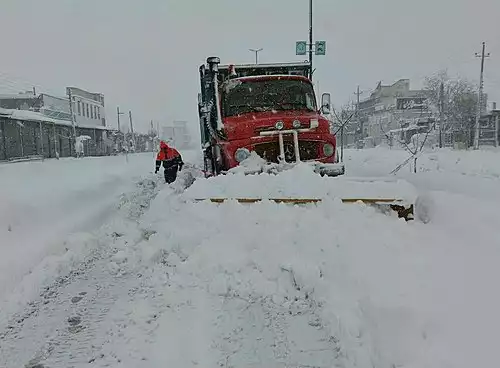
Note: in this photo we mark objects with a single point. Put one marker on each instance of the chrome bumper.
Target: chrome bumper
(280, 134)
(320, 168)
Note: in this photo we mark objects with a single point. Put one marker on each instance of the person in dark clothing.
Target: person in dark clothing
(172, 162)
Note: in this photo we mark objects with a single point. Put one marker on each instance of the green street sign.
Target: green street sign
(300, 47)
(320, 47)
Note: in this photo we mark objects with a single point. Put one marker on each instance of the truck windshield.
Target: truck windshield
(268, 95)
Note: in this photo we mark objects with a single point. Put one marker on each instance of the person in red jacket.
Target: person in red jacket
(172, 162)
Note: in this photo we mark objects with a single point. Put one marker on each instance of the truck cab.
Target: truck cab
(270, 109)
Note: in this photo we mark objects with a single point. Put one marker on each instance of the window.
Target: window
(98, 112)
(267, 95)
(91, 111)
(95, 112)
(88, 112)
(79, 108)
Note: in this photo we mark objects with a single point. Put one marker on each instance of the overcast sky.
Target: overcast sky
(144, 55)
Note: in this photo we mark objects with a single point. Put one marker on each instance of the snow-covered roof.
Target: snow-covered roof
(26, 115)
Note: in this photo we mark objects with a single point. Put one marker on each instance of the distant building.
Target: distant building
(177, 134)
(88, 108)
(394, 110)
(489, 128)
(20, 101)
(42, 124)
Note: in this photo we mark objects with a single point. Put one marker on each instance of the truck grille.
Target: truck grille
(309, 150)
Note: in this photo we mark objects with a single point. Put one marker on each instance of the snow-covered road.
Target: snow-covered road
(167, 281)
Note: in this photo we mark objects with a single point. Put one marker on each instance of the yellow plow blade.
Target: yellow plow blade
(397, 205)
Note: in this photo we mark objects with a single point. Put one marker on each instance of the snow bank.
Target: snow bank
(299, 182)
(316, 285)
(470, 173)
(484, 163)
(275, 285)
(43, 203)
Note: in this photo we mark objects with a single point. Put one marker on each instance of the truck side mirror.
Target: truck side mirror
(325, 103)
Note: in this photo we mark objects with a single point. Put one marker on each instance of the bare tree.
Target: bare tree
(414, 147)
(342, 119)
(457, 100)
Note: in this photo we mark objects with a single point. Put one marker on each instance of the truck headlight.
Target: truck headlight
(328, 149)
(279, 125)
(241, 154)
(296, 124)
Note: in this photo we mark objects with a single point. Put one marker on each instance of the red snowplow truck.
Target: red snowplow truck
(270, 109)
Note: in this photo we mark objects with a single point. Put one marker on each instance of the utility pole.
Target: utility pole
(118, 113)
(304, 47)
(361, 128)
(441, 114)
(132, 128)
(70, 96)
(479, 96)
(256, 54)
(131, 124)
(311, 38)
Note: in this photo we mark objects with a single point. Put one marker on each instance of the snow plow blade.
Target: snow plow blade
(386, 205)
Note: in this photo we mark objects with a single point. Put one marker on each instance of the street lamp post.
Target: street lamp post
(256, 54)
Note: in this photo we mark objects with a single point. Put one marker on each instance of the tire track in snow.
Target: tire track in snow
(202, 327)
(289, 334)
(80, 311)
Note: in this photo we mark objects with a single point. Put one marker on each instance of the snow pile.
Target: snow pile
(470, 163)
(315, 285)
(467, 173)
(299, 182)
(245, 278)
(42, 203)
(203, 284)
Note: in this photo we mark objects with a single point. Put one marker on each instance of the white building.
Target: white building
(178, 134)
(88, 108)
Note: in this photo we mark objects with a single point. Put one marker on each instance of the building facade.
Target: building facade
(394, 112)
(42, 124)
(88, 108)
(177, 134)
(54, 107)
(20, 101)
